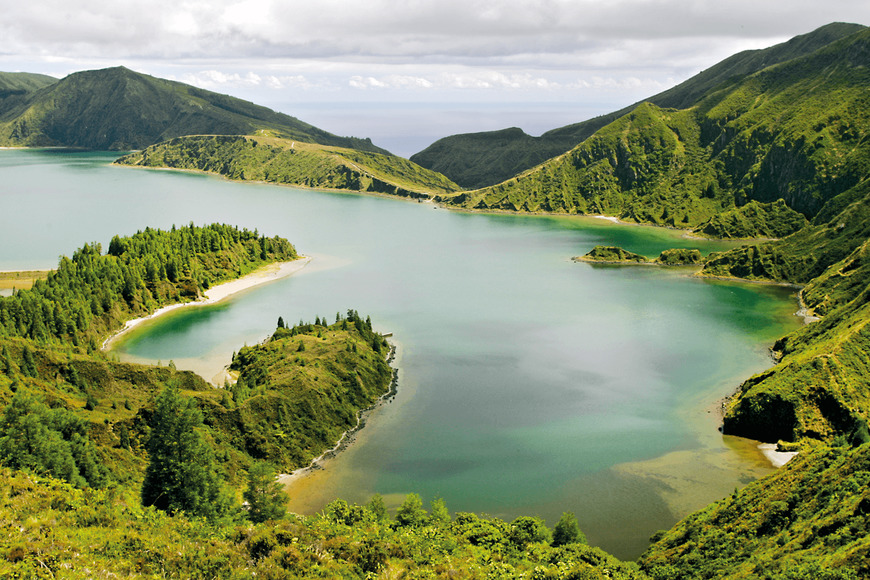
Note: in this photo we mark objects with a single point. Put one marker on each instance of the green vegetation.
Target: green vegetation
(738, 155)
(612, 255)
(299, 391)
(809, 520)
(288, 162)
(264, 496)
(181, 474)
(36, 438)
(754, 220)
(92, 294)
(819, 387)
(617, 255)
(118, 109)
(479, 160)
(15, 88)
(793, 131)
(53, 529)
(680, 257)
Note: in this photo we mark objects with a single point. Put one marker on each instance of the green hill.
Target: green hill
(294, 163)
(118, 109)
(806, 521)
(476, 160)
(794, 131)
(22, 83)
(819, 388)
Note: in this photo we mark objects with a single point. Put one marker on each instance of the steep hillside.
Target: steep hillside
(22, 83)
(794, 131)
(294, 163)
(118, 109)
(808, 520)
(477, 160)
(648, 166)
(820, 387)
(16, 87)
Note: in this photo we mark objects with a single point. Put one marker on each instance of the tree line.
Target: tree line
(91, 294)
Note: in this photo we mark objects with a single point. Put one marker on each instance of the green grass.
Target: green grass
(796, 131)
(288, 162)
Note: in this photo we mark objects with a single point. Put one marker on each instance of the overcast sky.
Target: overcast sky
(408, 72)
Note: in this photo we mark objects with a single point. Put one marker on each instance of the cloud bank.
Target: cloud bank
(604, 53)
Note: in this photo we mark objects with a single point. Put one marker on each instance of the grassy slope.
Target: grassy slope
(795, 131)
(287, 409)
(612, 255)
(479, 160)
(118, 109)
(288, 162)
(766, 220)
(819, 389)
(20, 83)
(808, 520)
(648, 166)
(291, 405)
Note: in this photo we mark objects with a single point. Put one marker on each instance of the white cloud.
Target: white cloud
(606, 52)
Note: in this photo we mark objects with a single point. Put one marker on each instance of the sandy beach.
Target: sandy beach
(776, 458)
(213, 295)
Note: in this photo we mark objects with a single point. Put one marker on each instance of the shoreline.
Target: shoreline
(348, 437)
(263, 275)
(425, 197)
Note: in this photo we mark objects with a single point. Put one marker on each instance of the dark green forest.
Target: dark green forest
(91, 294)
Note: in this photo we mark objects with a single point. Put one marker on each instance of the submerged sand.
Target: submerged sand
(213, 295)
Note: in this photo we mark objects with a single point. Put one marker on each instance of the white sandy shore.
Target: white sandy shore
(776, 458)
(220, 292)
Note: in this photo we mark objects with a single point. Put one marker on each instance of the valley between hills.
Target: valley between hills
(771, 147)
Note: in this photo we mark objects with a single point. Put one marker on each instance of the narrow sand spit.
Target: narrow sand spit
(266, 274)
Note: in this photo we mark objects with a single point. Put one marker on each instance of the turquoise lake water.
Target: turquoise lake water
(529, 384)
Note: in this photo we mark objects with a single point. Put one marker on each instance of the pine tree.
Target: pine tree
(181, 474)
(439, 515)
(28, 366)
(264, 495)
(7, 362)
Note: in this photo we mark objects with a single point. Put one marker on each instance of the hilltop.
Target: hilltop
(119, 109)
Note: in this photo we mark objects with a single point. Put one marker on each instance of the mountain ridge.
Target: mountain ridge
(119, 109)
(475, 160)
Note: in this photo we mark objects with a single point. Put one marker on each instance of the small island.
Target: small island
(617, 255)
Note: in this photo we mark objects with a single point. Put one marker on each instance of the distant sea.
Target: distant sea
(407, 128)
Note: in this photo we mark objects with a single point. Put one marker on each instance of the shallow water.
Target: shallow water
(529, 384)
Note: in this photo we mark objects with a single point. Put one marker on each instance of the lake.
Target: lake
(528, 384)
